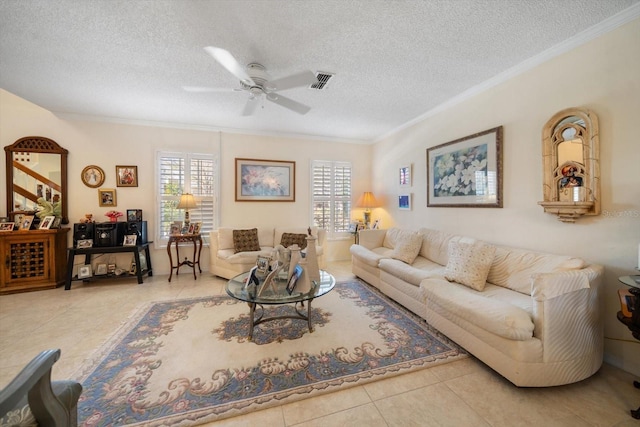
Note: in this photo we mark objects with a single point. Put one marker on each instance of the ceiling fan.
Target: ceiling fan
(255, 80)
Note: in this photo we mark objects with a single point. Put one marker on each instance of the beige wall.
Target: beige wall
(602, 75)
(110, 144)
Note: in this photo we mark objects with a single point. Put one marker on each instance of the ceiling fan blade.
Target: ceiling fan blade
(202, 89)
(289, 103)
(229, 62)
(250, 106)
(304, 78)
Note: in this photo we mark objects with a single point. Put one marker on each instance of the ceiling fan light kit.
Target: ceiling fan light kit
(255, 80)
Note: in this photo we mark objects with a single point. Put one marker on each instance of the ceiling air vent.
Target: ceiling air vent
(323, 80)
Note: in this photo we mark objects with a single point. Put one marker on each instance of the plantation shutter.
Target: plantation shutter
(180, 173)
(331, 210)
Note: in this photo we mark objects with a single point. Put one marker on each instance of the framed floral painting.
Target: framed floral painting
(265, 180)
(466, 172)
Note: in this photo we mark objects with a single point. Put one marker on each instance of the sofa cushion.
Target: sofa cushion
(407, 247)
(246, 240)
(395, 235)
(469, 263)
(370, 257)
(435, 245)
(414, 273)
(513, 268)
(498, 317)
(289, 239)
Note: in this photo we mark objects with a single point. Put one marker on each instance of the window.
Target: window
(331, 208)
(180, 173)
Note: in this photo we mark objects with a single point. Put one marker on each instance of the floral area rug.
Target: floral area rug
(186, 362)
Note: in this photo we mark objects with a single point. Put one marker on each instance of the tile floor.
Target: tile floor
(463, 393)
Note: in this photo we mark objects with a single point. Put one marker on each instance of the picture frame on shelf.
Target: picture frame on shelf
(46, 222)
(192, 227)
(176, 228)
(133, 269)
(84, 271)
(197, 228)
(466, 172)
(107, 197)
(404, 202)
(84, 243)
(126, 176)
(265, 180)
(101, 269)
(56, 223)
(26, 222)
(7, 226)
(130, 240)
(134, 215)
(92, 176)
(17, 218)
(405, 176)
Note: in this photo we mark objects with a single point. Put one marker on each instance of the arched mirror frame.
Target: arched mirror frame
(587, 198)
(36, 144)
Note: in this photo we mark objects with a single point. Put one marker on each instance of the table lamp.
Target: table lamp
(367, 201)
(187, 201)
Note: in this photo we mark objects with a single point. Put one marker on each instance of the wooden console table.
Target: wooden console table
(88, 252)
(633, 322)
(176, 239)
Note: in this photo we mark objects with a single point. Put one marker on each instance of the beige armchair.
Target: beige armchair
(31, 398)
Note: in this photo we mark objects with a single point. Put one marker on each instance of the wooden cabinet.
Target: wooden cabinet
(32, 260)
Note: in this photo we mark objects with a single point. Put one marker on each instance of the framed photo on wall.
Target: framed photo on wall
(126, 176)
(404, 202)
(466, 172)
(405, 176)
(265, 180)
(92, 176)
(107, 197)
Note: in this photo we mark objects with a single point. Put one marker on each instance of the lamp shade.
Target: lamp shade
(187, 201)
(367, 200)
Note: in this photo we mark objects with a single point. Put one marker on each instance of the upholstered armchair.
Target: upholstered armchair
(31, 398)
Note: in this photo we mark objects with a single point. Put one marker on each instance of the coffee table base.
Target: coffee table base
(261, 319)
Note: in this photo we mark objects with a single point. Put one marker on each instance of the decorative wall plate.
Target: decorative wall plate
(92, 176)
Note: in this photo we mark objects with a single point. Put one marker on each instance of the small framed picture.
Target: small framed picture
(6, 226)
(111, 268)
(133, 268)
(130, 240)
(85, 243)
(92, 176)
(192, 227)
(263, 265)
(134, 215)
(127, 176)
(404, 202)
(17, 218)
(405, 176)
(107, 197)
(101, 269)
(46, 222)
(197, 227)
(56, 222)
(84, 271)
(26, 222)
(176, 227)
(376, 224)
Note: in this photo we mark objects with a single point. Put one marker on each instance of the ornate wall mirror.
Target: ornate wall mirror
(571, 162)
(36, 168)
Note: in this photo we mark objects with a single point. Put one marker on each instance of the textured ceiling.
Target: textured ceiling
(394, 61)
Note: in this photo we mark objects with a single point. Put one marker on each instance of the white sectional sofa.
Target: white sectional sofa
(226, 262)
(532, 317)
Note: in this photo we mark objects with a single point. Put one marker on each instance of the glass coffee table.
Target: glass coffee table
(238, 289)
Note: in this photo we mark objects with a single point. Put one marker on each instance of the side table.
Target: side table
(176, 239)
(633, 322)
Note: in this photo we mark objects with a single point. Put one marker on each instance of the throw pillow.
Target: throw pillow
(407, 247)
(289, 239)
(246, 240)
(469, 263)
